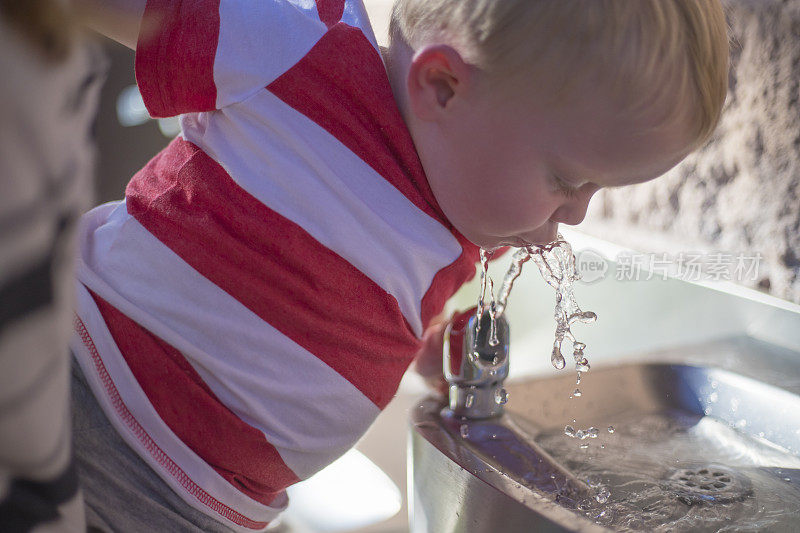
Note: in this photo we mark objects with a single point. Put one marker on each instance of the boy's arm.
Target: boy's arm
(201, 55)
(116, 19)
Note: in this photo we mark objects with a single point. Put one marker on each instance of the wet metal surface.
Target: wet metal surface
(713, 446)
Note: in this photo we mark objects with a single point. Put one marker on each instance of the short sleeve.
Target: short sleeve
(201, 55)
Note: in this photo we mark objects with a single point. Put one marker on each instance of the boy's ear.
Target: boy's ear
(436, 75)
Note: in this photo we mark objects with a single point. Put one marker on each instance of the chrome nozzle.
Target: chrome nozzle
(474, 367)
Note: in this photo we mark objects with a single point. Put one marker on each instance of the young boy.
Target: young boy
(250, 307)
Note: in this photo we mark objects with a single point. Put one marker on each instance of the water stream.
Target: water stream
(556, 264)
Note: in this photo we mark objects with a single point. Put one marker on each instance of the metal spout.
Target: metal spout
(474, 367)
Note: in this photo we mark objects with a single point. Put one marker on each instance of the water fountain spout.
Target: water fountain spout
(475, 366)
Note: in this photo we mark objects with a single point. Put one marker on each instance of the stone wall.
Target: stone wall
(740, 194)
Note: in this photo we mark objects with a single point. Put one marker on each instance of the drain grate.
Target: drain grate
(711, 483)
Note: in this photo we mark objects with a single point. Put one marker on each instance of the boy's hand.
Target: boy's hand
(428, 361)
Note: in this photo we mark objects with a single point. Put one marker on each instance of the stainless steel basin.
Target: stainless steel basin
(701, 438)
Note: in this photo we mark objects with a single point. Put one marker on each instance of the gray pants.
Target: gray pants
(122, 493)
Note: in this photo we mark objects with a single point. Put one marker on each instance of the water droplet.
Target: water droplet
(581, 434)
(583, 446)
(582, 365)
(569, 431)
(593, 480)
(713, 397)
(593, 433)
(579, 346)
(469, 400)
(578, 379)
(602, 496)
(787, 479)
(557, 359)
(501, 396)
(464, 430)
(611, 429)
(577, 393)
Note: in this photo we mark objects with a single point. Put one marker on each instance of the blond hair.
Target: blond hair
(651, 54)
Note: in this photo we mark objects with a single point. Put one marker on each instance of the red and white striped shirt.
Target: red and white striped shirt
(250, 307)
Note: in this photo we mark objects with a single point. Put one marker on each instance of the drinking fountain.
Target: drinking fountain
(694, 431)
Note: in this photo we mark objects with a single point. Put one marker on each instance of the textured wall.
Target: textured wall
(741, 193)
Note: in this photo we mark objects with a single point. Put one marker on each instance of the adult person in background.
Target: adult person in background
(49, 89)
